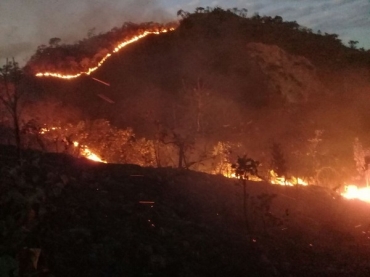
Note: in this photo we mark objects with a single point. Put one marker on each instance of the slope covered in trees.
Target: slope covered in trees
(62, 216)
(222, 78)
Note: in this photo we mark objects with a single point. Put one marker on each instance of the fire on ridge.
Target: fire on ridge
(115, 50)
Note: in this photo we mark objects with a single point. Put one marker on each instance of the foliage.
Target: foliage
(113, 144)
(10, 96)
(246, 167)
(222, 158)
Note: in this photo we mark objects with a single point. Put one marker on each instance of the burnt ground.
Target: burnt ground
(92, 219)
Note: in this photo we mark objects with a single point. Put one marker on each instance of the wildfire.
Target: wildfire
(86, 152)
(283, 181)
(350, 191)
(115, 50)
(354, 192)
(83, 149)
(274, 179)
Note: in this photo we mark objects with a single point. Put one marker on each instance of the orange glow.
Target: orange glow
(84, 150)
(115, 50)
(354, 192)
(282, 181)
(274, 179)
(45, 130)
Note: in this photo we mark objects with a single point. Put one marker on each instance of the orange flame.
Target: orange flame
(354, 192)
(274, 179)
(84, 150)
(88, 154)
(116, 49)
(282, 181)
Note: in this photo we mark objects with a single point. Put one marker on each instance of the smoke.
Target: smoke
(28, 24)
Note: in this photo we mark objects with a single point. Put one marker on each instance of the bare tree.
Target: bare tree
(181, 141)
(10, 96)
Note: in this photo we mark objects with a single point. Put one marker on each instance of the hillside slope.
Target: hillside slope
(225, 77)
(96, 219)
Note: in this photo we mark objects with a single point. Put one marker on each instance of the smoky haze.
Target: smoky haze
(28, 24)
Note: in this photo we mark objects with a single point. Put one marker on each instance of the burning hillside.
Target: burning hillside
(220, 95)
(71, 61)
(199, 96)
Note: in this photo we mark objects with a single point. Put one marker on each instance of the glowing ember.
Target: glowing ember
(45, 130)
(116, 49)
(354, 192)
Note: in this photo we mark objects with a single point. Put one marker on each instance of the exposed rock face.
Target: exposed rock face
(293, 77)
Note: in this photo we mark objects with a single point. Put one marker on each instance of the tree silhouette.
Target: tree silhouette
(10, 96)
(353, 44)
(246, 167)
(54, 42)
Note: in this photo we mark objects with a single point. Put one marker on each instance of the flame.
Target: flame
(354, 192)
(87, 153)
(84, 150)
(115, 50)
(282, 181)
(274, 179)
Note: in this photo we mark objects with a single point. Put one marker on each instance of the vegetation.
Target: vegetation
(10, 97)
(62, 216)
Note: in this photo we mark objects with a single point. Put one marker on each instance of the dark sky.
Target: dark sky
(25, 24)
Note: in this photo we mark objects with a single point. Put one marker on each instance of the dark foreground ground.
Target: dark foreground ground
(91, 219)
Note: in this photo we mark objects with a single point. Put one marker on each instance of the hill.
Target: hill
(96, 219)
(221, 76)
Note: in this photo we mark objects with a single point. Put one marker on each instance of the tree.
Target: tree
(199, 10)
(353, 44)
(246, 167)
(180, 140)
(183, 14)
(54, 42)
(10, 96)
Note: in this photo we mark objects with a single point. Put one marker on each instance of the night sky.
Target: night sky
(25, 24)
